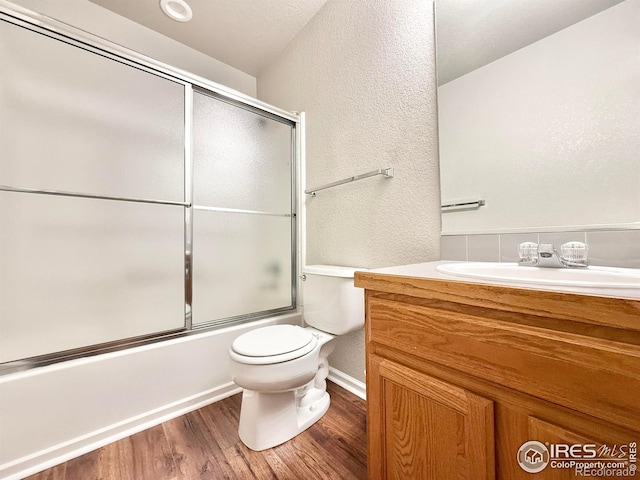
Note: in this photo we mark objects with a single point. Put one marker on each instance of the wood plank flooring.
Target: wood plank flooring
(204, 444)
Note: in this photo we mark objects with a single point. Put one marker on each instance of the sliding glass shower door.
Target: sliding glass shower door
(92, 198)
(243, 212)
(76, 272)
(136, 202)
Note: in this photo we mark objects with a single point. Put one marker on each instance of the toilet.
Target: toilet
(283, 368)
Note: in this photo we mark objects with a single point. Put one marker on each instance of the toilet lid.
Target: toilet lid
(272, 340)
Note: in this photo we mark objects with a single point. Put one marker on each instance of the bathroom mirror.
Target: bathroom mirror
(538, 106)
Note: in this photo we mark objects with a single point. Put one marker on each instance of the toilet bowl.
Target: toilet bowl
(283, 368)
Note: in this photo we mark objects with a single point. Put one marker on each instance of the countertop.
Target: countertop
(428, 270)
(594, 306)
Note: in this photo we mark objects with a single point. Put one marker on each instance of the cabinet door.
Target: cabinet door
(423, 428)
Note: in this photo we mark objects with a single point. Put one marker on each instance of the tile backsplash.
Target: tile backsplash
(612, 248)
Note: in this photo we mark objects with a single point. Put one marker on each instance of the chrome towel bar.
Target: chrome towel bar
(387, 172)
(464, 205)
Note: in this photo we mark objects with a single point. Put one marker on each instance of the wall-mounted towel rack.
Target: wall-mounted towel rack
(463, 205)
(387, 172)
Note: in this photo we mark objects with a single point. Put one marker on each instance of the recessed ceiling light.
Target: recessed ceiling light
(178, 10)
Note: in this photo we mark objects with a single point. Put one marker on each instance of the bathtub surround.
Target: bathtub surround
(364, 74)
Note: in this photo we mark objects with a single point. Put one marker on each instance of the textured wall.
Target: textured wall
(364, 74)
(550, 132)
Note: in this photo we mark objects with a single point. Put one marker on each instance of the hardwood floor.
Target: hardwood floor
(204, 444)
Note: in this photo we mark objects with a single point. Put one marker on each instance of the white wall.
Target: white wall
(549, 135)
(364, 74)
(92, 18)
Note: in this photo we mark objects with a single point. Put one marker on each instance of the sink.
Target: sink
(588, 277)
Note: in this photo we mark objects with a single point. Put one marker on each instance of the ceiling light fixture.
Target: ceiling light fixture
(178, 10)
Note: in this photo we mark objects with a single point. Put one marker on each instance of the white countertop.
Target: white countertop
(428, 270)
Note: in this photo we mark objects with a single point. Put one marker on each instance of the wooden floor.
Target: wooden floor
(204, 444)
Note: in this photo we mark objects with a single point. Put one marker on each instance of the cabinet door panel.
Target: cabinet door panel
(429, 429)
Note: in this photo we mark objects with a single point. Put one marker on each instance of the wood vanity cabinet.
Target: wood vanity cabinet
(461, 375)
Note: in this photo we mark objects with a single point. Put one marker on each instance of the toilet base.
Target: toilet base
(269, 419)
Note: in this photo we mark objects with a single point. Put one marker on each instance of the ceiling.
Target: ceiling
(473, 33)
(249, 34)
(246, 34)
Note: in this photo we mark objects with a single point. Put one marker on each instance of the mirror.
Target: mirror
(538, 106)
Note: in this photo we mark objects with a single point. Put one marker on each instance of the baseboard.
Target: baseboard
(73, 448)
(347, 382)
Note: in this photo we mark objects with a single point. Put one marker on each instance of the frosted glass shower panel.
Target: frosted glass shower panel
(242, 264)
(76, 121)
(80, 272)
(242, 159)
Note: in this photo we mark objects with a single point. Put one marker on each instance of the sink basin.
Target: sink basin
(589, 277)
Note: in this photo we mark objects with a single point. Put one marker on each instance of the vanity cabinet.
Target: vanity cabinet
(461, 375)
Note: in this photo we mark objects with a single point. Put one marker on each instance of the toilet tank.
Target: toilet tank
(331, 302)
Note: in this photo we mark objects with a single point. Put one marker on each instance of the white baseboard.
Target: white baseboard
(347, 382)
(63, 452)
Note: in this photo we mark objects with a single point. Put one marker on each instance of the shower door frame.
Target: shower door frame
(59, 31)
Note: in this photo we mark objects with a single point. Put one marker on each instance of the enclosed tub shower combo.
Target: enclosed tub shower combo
(138, 202)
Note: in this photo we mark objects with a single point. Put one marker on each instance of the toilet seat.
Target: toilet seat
(273, 344)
